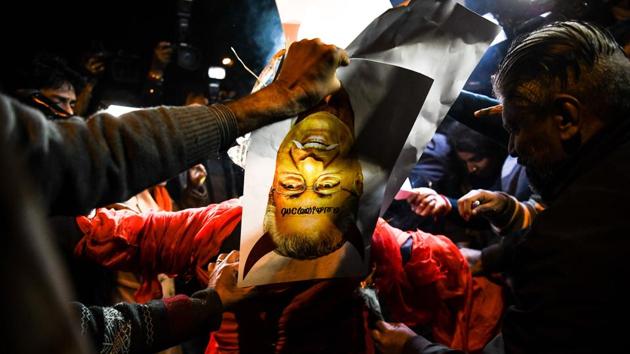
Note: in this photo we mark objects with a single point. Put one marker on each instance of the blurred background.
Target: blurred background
(124, 35)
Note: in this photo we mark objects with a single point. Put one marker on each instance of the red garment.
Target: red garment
(162, 197)
(174, 243)
(434, 287)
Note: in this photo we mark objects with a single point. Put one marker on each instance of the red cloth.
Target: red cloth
(435, 288)
(174, 243)
(162, 197)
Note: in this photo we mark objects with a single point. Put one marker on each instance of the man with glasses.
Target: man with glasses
(317, 184)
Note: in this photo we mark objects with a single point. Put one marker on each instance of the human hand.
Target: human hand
(197, 175)
(95, 65)
(308, 72)
(223, 278)
(390, 338)
(482, 202)
(494, 111)
(306, 77)
(427, 202)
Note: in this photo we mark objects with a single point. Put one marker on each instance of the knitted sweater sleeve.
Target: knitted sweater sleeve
(146, 328)
(81, 164)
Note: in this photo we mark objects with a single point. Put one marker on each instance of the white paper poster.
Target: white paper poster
(314, 185)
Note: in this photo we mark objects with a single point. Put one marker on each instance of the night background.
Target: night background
(127, 31)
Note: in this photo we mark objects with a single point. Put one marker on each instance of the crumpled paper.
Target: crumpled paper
(440, 39)
(425, 50)
(382, 121)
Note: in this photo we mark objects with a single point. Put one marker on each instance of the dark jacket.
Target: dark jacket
(570, 271)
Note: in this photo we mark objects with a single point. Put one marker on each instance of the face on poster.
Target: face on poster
(311, 204)
(317, 184)
(291, 230)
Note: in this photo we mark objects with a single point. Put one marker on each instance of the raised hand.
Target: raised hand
(223, 278)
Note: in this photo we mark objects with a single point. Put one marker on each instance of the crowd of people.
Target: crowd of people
(511, 240)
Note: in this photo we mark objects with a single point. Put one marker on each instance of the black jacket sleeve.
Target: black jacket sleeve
(147, 328)
(81, 164)
(463, 110)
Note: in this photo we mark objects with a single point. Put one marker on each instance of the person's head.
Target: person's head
(51, 82)
(561, 85)
(481, 156)
(317, 184)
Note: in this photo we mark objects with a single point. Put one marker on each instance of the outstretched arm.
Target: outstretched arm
(175, 243)
(147, 328)
(81, 164)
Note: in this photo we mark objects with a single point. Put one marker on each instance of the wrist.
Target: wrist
(209, 298)
(504, 215)
(447, 202)
(270, 104)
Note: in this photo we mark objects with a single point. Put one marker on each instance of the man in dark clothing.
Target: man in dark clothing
(50, 85)
(565, 90)
(76, 165)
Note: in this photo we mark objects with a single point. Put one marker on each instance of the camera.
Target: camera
(188, 57)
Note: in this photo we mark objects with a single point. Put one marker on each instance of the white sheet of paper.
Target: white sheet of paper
(445, 43)
(405, 191)
(380, 116)
(441, 42)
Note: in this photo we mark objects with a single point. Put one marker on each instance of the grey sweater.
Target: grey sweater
(81, 164)
(73, 166)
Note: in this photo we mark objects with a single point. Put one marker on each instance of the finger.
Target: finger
(490, 111)
(482, 209)
(376, 336)
(429, 202)
(232, 270)
(475, 206)
(381, 325)
(344, 59)
(232, 257)
(430, 206)
(221, 257)
(464, 209)
(414, 198)
(211, 267)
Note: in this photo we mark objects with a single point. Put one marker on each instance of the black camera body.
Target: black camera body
(188, 57)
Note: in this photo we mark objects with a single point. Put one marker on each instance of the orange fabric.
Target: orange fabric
(435, 288)
(162, 198)
(159, 242)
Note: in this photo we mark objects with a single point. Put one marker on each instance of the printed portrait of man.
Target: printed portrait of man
(317, 184)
